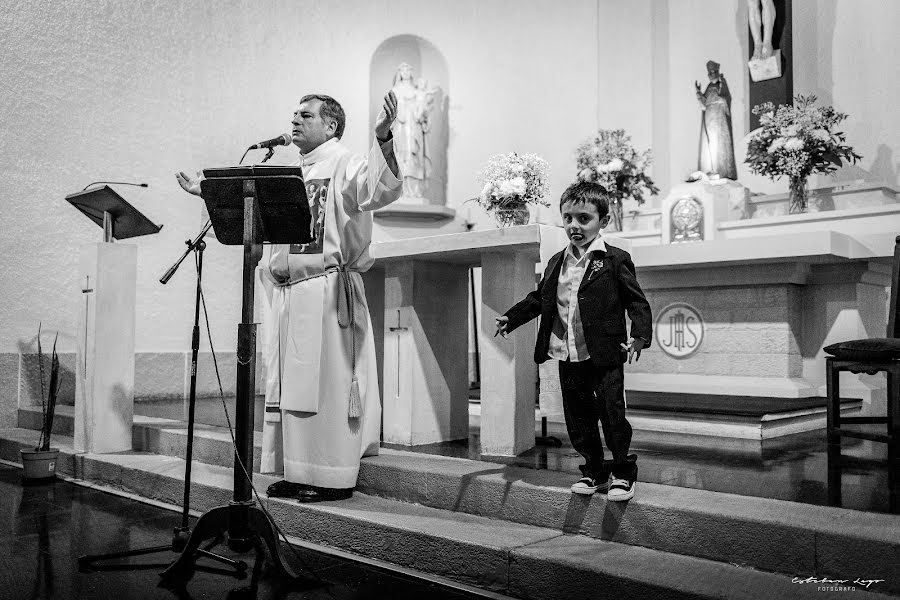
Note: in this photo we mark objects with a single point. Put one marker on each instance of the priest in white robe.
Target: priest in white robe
(323, 410)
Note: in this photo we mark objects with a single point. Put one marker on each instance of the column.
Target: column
(508, 371)
(425, 373)
(104, 371)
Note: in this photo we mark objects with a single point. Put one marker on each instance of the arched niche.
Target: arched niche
(427, 63)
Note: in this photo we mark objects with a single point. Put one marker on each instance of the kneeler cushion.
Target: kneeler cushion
(875, 349)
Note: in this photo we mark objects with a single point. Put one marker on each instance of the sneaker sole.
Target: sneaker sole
(586, 491)
(621, 497)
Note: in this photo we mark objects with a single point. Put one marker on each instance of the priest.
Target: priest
(323, 410)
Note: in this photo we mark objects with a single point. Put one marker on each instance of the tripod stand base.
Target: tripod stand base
(246, 526)
(179, 541)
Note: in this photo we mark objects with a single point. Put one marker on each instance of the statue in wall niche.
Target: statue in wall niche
(716, 148)
(415, 101)
(762, 21)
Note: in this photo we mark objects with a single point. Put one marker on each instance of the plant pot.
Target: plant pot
(39, 465)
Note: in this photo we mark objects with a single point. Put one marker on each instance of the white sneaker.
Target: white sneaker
(620, 489)
(585, 486)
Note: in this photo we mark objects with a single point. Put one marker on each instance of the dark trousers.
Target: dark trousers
(592, 394)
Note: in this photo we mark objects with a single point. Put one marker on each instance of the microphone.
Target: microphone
(114, 183)
(282, 140)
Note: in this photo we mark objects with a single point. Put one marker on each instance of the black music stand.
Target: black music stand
(248, 206)
(110, 211)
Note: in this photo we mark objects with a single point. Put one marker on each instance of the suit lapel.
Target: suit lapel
(555, 267)
(598, 262)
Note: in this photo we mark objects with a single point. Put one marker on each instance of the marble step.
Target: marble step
(765, 534)
(521, 560)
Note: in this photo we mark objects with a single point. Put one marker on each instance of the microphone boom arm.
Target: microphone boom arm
(191, 244)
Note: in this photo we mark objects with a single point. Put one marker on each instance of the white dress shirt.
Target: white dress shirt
(567, 337)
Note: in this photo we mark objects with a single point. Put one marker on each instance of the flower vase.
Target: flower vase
(615, 213)
(508, 217)
(799, 195)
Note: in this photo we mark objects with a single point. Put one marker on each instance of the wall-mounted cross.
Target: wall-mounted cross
(87, 289)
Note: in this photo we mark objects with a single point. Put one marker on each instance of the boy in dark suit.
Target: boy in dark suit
(582, 299)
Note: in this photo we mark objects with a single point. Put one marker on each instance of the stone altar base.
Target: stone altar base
(763, 309)
(661, 416)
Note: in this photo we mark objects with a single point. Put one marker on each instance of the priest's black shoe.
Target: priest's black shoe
(285, 489)
(319, 494)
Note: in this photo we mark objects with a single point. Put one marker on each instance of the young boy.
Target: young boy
(582, 300)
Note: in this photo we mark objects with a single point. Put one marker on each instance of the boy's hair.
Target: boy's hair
(329, 109)
(586, 192)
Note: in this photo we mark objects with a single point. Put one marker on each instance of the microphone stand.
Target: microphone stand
(180, 534)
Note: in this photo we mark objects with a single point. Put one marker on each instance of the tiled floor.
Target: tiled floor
(44, 528)
(793, 468)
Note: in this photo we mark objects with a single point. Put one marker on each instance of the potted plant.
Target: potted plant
(610, 160)
(40, 463)
(510, 182)
(796, 141)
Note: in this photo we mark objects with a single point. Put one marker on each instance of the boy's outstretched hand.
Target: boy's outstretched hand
(633, 347)
(502, 323)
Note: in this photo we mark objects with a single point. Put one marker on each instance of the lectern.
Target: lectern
(247, 206)
(105, 313)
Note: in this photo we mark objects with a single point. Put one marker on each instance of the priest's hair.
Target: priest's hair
(329, 109)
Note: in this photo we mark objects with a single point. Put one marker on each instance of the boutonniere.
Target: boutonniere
(596, 265)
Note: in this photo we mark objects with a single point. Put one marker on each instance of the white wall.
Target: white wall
(139, 90)
(847, 57)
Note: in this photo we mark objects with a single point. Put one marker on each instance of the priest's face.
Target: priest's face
(310, 130)
(582, 222)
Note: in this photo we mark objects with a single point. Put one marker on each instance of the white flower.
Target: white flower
(821, 134)
(486, 190)
(512, 187)
(790, 131)
(616, 164)
(585, 174)
(517, 168)
(776, 145)
(794, 143)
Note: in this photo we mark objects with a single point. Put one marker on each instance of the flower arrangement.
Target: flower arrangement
(510, 182)
(797, 141)
(610, 160)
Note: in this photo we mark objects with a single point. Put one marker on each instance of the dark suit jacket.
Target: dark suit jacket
(605, 294)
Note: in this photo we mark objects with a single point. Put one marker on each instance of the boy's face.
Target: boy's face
(582, 222)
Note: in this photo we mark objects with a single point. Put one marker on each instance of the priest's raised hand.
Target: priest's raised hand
(386, 117)
(189, 184)
(383, 131)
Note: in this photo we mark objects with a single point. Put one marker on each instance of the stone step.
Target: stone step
(765, 534)
(522, 560)
(212, 445)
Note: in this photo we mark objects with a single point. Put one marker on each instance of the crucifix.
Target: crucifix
(770, 40)
(399, 329)
(87, 289)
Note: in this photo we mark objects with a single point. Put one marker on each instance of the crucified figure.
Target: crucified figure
(762, 20)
